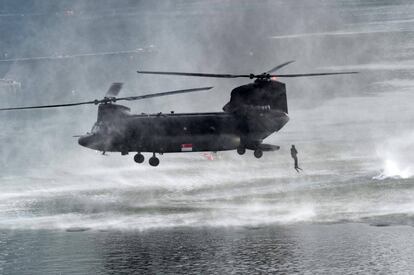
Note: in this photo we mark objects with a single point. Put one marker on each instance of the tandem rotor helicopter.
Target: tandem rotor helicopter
(255, 111)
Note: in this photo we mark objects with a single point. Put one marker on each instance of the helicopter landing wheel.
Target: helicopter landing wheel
(258, 153)
(139, 158)
(241, 150)
(154, 161)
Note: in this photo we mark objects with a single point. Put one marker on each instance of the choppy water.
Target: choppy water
(306, 249)
(65, 209)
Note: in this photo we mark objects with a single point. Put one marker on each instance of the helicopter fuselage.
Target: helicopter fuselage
(254, 112)
(184, 132)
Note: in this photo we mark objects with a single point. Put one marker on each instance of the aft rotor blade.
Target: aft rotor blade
(195, 74)
(312, 74)
(278, 67)
(114, 89)
(164, 94)
(49, 106)
(264, 75)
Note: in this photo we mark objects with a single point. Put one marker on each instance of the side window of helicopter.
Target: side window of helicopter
(97, 127)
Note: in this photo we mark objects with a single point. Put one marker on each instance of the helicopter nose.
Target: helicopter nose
(85, 140)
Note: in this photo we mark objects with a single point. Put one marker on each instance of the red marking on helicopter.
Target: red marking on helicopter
(186, 147)
(274, 78)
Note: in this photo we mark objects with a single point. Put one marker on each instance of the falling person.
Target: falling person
(294, 154)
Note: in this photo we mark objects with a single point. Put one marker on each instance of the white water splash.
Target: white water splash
(397, 157)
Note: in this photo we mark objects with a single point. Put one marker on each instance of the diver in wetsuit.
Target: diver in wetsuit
(294, 154)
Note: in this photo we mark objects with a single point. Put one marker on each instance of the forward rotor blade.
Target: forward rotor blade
(49, 106)
(195, 74)
(312, 74)
(278, 67)
(164, 94)
(109, 99)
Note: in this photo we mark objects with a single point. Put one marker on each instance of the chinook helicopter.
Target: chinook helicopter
(254, 112)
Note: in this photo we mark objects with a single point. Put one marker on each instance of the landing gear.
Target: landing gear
(139, 158)
(241, 150)
(154, 161)
(258, 153)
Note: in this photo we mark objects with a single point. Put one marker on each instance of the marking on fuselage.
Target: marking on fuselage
(186, 147)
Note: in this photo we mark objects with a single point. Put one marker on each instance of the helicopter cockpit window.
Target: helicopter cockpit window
(98, 127)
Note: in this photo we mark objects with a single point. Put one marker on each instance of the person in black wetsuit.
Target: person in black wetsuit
(294, 154)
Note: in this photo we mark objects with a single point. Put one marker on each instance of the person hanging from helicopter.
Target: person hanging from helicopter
(294, 154)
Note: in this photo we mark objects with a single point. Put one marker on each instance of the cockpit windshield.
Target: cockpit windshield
(97, 127)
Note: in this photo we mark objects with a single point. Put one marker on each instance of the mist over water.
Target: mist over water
(354, 133)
